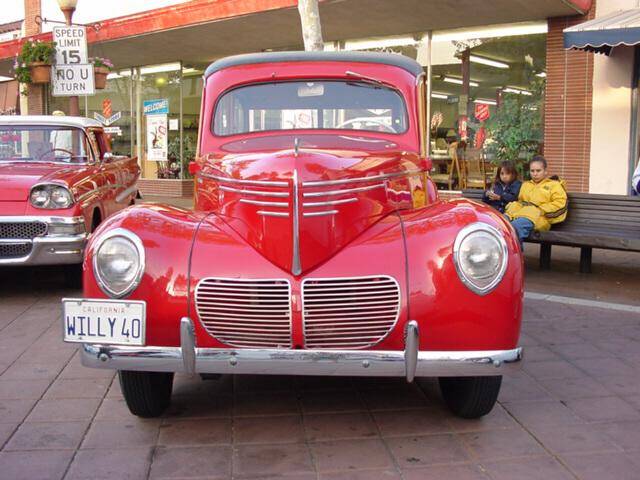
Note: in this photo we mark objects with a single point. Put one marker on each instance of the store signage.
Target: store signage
(481, 112)
(107, 121)
(155, 107)
(113, 131)
(72, 73)
(157, 137)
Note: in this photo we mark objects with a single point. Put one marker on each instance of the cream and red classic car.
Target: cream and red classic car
(58, 181)
(318, 245)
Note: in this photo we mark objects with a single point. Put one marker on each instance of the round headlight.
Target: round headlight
(51, 196)
(480, 255)
(118, 262)
(40, 197)
(61, 197)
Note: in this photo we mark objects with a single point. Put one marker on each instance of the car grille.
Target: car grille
(22, 230)
(348, 313)
(246, 313)
(15, 250)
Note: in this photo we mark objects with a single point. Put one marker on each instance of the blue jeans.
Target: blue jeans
(523, 227)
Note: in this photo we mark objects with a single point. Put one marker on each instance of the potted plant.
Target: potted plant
(101, 68)
(33, 63)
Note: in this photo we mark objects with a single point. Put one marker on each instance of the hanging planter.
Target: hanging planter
(101, 68)
(40, 72)
(33, 63)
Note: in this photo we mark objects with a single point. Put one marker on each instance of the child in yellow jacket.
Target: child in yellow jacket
(541, 202)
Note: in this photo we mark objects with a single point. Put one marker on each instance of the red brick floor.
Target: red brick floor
(572, 412)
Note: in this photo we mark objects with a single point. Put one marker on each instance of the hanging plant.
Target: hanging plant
(101, 68)
(33, 63)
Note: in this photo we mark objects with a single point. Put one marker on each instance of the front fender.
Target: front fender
(167, 235)
(450, 316)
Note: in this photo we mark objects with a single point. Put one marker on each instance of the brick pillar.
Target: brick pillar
(36, 102)
(568, 100)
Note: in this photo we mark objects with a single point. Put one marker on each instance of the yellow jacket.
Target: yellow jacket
(544, 203)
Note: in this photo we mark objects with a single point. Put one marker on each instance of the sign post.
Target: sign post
(72, 73)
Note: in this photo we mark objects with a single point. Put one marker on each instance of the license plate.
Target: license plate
(113, 322)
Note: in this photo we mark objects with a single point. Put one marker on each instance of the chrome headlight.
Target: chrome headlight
(51, 196)
(481, 257)
(118, 262)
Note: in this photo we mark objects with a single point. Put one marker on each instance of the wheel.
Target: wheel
(73, 276)
(147, 394)
(470, 397)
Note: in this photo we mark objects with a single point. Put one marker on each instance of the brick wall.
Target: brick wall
(36, 102)
(568, 101)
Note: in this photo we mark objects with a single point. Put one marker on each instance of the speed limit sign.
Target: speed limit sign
(72, 74)
(71, 45)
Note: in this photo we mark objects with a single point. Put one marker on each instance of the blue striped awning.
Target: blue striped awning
(602, 34)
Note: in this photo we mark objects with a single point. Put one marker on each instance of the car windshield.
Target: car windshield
(344, 105)
(57, 144)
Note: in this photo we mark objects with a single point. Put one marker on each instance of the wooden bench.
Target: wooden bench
(611, 222)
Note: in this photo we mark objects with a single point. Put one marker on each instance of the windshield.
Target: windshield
(43, 144)
(344, 105)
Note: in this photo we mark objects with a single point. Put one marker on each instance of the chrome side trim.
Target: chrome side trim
(320, 214)
(268, 183)
(254, 192)
(379, 363)
(124, 194)
(341, 192)
(269, 213)
(330, 202)
(296, 267)
(265, 204)
(324, 183)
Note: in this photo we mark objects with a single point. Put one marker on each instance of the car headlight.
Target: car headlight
(480, 256)
(51, 196)
(118, 262)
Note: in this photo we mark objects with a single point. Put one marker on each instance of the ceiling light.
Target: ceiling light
(165, 67)
(484, 101)
(488, 61)
(442, 96)
(518, 91)
(369, 43)
(458, 81)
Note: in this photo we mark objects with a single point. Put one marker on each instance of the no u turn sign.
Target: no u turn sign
(72, 73)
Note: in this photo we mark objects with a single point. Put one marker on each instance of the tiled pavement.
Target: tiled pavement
(573, 412)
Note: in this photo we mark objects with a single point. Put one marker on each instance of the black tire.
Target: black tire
(470, 397)
(147, 394)
(73, 276)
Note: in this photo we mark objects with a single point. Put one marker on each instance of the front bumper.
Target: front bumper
(66, 247)
(409, 363)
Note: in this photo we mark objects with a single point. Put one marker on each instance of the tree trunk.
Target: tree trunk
(311, 28)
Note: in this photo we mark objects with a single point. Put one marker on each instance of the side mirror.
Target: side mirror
(194, 167)
(107, 157)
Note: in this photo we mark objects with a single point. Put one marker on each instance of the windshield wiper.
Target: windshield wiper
(364, 78)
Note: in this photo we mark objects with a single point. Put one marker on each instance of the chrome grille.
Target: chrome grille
(347, 313)
(15, 250)
(246, 313)
(22, 230)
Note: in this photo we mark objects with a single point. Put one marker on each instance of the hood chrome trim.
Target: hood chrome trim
(296, 268)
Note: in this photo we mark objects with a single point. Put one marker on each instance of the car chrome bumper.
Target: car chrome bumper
(50, 248)
(409, 363)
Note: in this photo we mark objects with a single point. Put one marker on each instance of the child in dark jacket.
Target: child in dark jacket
(505, 188)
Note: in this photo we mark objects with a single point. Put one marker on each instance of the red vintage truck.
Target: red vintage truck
(58, 181)
(317, 246)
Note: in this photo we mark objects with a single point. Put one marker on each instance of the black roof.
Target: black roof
(393, 59)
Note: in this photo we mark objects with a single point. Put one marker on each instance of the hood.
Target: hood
(16, 179)
(299, 206)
